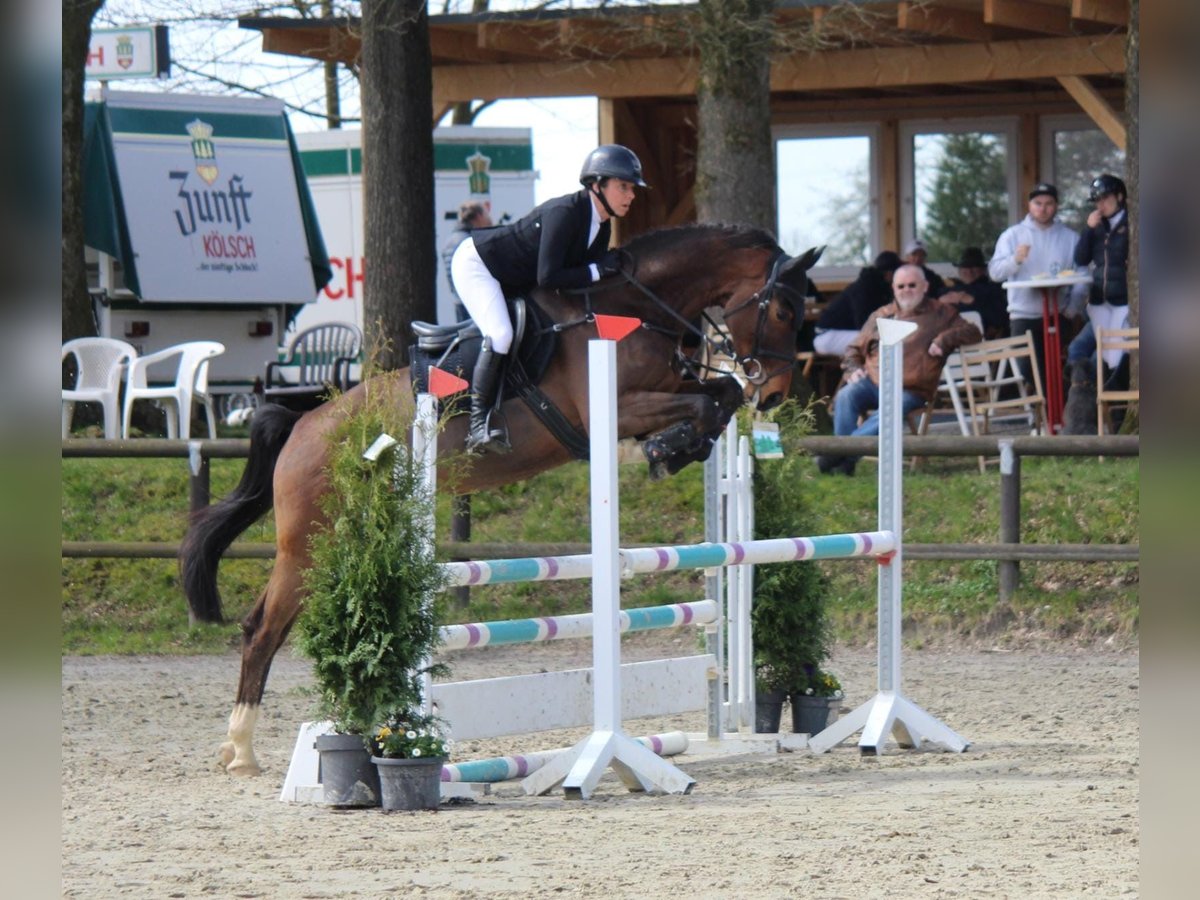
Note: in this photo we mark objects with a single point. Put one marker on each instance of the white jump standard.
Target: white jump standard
(889, 711)
(579, 769)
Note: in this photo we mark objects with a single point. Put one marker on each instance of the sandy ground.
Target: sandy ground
(1044, 803)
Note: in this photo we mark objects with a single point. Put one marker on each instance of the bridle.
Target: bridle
(751, 364)
(756, 372)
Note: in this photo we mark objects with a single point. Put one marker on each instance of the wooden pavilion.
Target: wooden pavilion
(895, 62)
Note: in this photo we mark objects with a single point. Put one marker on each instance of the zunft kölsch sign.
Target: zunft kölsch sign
(207, 190)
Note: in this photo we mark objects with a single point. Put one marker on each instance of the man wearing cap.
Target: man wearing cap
(1036, 246)
(974, 290)
(915, 253)
(472, 214)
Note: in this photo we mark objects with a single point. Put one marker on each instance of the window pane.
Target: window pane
(825, 197)
(961, 192)
(1079, 156)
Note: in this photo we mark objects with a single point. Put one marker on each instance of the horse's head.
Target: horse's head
(763, 320)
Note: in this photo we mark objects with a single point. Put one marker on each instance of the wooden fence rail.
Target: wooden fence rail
(1009, 552)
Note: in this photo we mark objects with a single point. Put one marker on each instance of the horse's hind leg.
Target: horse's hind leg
(263, 633)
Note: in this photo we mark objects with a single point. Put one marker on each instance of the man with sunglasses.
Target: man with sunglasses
(940, 331)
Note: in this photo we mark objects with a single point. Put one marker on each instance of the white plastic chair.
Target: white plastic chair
(190, 386)
(100, 363)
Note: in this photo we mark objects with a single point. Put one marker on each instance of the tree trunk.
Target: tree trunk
(735, 177)
(397, 87)
(333, 98)
(1132, 87)
(77, 318)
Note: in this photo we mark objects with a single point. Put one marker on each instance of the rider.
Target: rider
(563, 243)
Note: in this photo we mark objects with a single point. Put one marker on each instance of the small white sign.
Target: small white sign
(766, 441)
(122, 53)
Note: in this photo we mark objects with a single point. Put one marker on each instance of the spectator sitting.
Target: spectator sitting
(915, 254)
(1035, 246)
(973, 289)
(840, 322)
(472, 214)
(940, 331)
(1104, 244)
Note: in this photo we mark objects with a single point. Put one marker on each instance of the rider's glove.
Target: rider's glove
(609, 264)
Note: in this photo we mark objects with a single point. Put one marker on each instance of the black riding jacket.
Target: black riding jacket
(546, 247)
(1108, 249)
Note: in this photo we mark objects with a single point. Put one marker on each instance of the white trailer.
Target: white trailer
(493, 165)
(199, 226)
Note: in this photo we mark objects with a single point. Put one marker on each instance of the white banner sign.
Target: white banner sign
(211, 200)
(122, 53)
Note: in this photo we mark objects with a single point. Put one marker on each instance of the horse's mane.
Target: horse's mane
(735, 237)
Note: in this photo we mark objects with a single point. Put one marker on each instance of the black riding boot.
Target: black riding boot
(484, 385)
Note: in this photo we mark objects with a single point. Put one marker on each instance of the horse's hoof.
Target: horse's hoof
(226, 754)
(244, 769)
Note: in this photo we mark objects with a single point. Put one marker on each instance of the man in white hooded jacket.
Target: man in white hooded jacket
(1037, 246)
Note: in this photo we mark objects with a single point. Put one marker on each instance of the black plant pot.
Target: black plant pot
(346, 771)
(812, 715)
(768, 710)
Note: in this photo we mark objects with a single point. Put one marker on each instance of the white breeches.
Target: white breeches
(482, 295)
(834, 341)
(1103, 315)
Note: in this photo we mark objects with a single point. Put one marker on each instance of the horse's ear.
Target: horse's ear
(802, 263)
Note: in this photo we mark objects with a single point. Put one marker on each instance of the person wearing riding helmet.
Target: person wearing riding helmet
(563, 243)
(1104, 245)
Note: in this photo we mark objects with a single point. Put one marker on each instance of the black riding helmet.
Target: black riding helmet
(612, 161)
(1106, 184)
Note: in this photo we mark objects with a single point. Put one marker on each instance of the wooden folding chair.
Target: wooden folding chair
(996, 389)
(1124, 339)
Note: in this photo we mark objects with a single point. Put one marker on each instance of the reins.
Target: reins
(750, 363)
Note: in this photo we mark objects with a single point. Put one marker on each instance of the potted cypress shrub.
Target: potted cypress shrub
(792, 634)
(369, 623)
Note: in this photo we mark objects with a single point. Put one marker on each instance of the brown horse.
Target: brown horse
(673, 276)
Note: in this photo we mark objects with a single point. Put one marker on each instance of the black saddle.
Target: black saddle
(454, 348)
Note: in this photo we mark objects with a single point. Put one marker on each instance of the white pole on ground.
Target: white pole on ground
(580, 769)
(889, 711)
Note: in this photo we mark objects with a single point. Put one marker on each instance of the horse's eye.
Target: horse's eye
(784, 312)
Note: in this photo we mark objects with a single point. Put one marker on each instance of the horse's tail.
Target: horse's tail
(214, 528)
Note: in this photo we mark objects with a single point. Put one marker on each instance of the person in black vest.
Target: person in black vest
(563, 243)
(974, 290)
(915, 254)
(841, 320)
(1104, 244)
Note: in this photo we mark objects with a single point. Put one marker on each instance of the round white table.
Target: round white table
(1049, 286)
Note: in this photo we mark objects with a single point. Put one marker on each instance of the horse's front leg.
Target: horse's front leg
(681, 427)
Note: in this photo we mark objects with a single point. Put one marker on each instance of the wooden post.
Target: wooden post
(460, 530)
(199, 484)
(1010, 517)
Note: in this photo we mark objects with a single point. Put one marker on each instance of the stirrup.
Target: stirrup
(488, 439)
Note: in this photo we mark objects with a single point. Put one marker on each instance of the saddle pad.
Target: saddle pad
(535, 350)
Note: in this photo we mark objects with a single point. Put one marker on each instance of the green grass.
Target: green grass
(135, 606)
